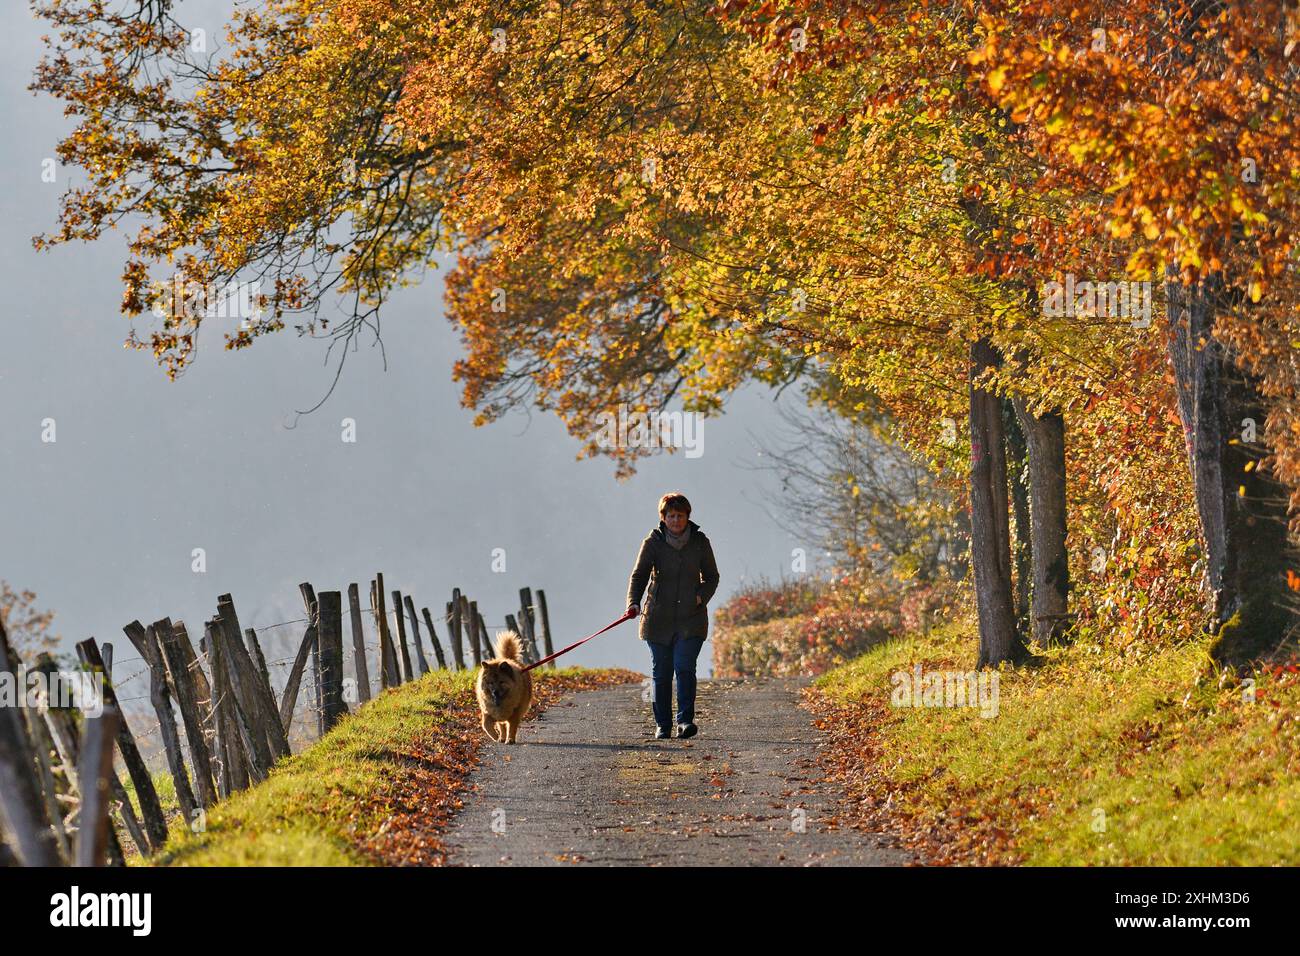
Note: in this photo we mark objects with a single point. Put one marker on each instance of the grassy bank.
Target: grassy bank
(1095, 757)
(376, 789)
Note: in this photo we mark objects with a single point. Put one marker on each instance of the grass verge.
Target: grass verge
(378, 789)
(1149, 756)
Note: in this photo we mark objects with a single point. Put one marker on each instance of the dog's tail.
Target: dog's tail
(510, 647)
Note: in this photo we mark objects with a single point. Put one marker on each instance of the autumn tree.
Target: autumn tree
(1183, 115)
(992, 168)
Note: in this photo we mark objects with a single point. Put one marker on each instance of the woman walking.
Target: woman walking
(676, 561)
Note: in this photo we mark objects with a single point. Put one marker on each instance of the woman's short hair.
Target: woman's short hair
(674, 501)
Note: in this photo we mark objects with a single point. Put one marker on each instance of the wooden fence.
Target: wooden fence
(61, 799)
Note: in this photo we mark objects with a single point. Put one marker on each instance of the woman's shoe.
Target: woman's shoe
(686, 730)
(662, 733)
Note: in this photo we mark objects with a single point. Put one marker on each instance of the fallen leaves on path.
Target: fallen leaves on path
(851, 761)
(426, 791)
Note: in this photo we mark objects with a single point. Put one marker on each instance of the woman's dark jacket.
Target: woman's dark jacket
(675, 578)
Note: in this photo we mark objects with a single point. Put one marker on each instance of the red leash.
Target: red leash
(544, 660)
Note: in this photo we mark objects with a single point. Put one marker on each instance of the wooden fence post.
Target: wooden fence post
(415, 635)
(260, 701)
(486, 651)
(483, 635)
(526, 619)
(476, 640)
(467, 630)
(57, 732)
(546, 625)
(155, 823)
(252, 736)
(330, 640)
(202, 689)
(93, 770)
(129, 819)
(146, 645)
(379, 633)
(317, 675)
(290, 698)
(433, 639)
(21, 801)
(234, 766)
(24, 812)
(358, 645)
(453, 626)
(43, 749)
(407, 676)
(255, 652)
(388, 672)
(187, 699)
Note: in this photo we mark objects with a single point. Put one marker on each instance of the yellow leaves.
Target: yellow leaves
(1079, 150)
(1256, 291)
(997, 79)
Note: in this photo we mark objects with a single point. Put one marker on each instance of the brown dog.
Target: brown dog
(504, 689)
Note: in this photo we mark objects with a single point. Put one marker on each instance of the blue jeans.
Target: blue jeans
(667, 659)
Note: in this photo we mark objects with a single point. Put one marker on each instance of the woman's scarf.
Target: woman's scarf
(678, 541)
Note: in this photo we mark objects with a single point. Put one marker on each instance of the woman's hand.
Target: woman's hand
(633, 610)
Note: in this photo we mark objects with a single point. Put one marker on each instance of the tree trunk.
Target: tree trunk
(1045, 438)
(1022, 546)
(990, 539)
(1242, 512)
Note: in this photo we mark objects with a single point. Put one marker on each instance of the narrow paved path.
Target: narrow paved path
(588, 783)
